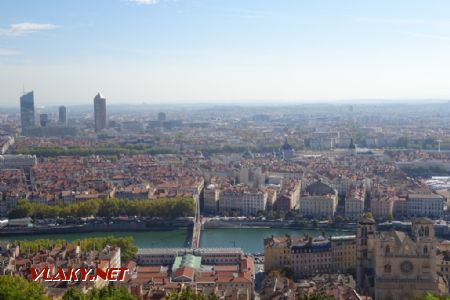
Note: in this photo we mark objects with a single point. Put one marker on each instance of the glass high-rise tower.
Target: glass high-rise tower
(99, 112)
(62, 116)
(27, 115)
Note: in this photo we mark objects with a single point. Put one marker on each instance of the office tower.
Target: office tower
(43, 120)
(99, 112)
(62, 116)
(27, 118)
(161, 116)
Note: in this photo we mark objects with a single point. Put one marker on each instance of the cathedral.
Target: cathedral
(397, 265)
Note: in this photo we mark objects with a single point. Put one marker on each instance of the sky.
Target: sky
(223, 51)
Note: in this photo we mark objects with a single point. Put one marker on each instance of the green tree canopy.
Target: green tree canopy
(168, 208)
(18, 288)
(188, 294)
(127, 248)
(429, 296)
(107, 293)
(315, 296)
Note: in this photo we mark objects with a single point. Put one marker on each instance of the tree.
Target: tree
(188, 294)
(315, 296)
(127, 249)
(106, 293)
(429, 296)
(339, 219)
(287, 272)
(74, 294)
(168, 208)
(390, 217)
(111, 293)
(18, 288)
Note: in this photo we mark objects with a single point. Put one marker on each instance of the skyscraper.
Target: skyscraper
(161, 116)
(99, 112)
(62, 116)
(27, 118)
(43, 120)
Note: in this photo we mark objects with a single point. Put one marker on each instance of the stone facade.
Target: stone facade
(397, 265)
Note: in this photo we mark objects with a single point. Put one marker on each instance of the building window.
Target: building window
(387, 268)
(387, 250)
(425, 249)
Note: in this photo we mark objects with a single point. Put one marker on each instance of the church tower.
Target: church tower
(423, 234)
(365, 242)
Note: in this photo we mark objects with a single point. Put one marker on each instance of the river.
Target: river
(249, 239)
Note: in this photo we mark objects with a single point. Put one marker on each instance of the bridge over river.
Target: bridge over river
(196, 231)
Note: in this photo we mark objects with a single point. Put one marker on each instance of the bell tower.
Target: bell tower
(365, 243)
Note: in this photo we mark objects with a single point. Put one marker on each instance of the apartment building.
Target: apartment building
(425, 205)
(307, 256)
(242, 200)
(319, 200)
(354, 203)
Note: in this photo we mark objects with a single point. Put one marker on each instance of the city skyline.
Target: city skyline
(223, 52)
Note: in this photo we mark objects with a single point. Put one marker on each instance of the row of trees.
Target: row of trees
(163, 208)
(143, 149)
(107, 293)
(85, 151)
(188, 294)
(128, 249)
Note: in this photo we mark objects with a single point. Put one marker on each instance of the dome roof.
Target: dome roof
(319, 188)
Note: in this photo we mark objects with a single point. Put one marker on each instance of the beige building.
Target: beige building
(397, 265)
(399, 210)
(277, 253)
(211, 199)
(354, 203)
(443, 259)
(243, 200)
(307, 256)
(289, 196)
(382, 208)
(319, 200)
(343, 253)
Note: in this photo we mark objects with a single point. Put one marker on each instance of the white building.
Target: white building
(319, 200)
(354, 205)
(425, 205)
(244, 200)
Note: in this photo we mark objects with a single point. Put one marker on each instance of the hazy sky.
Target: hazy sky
(223, 50)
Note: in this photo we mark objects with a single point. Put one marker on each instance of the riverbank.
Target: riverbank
(251, 240)
(98, 228)
(161, 225)
(223, 224)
